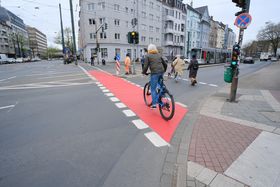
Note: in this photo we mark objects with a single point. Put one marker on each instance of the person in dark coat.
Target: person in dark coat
(193, 68)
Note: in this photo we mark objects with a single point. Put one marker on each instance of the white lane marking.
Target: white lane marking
(102, 87)
(183, 105)
(86, 72)
(214, 85)
(142, 87)
(70, 75)
(109, 94)
(202, 83)
(185, 79)
(48, 74)
(114, 99)
(138, 85)
(42, 86)
(120, 105)
(129, 113)
(99, 85)
(105, 91)
(8, 106)
(8, 78)
(156, 139)
(140, 124)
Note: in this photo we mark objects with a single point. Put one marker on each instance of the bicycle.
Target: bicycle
(165, 99)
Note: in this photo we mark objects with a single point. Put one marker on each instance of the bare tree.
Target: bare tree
(67, 38)
(270, 33)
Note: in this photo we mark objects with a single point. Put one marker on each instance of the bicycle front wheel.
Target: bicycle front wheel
(147, 94)
(167, 108)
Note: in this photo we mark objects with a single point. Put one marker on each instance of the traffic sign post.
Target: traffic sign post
(242, 21)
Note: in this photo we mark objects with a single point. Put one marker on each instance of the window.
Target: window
(91, 6)
(143, 14)
(157, 40)
(101, 20)
(116, 7)
(103, 35)
(158, 18)
(151, 16)
(132, 11)
(117, 36)
(175, 26)
(151, 39)
(178, 27)
(158, 7)
(117, 22)
(92, 35)
(151, 28)
(151, 4)
(104, 53)
(126, 9)
(157, 30)
(101, 5)
(91, 21)
(143, 38)
(126, 23)
(117, 51)
(144, 27)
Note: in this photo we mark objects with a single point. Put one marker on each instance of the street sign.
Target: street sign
(243, 20)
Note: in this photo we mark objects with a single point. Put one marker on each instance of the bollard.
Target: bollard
(118, 68)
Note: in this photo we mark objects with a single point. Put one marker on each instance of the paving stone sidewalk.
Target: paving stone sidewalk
(225, 130)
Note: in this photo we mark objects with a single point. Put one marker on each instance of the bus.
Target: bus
(210, 55)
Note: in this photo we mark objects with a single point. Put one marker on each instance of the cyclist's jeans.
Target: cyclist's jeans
(154, 81)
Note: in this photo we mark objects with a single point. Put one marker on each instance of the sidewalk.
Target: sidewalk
(236, 144)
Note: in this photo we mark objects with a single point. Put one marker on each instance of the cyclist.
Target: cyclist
(156, 64)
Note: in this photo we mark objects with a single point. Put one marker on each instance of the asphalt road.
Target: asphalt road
(57, 128)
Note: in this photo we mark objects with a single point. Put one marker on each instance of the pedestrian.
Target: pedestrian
(92, 60)
(157, 66)
(178, 65)
(103, 62)
(127, 63)
(143, 58)
(193, 68)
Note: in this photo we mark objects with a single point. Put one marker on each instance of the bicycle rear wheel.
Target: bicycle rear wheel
(147, 94)
(167, 108)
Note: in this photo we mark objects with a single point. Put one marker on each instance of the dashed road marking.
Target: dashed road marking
(114, 99)
(8, 78)
(8, 106)
(109, 94)
(102, 87)
(105, 90)
(140, 124)
(129, 113)
(156, 139)
(120, 105)
(214, 85)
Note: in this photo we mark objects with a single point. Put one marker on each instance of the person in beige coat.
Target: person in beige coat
(178, 65)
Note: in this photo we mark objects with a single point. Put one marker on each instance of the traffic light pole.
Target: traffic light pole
(73, 32)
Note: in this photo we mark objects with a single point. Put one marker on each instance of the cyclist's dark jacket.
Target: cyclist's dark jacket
(154, 62)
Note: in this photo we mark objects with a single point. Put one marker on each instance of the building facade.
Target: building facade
(204, 26)
(193, 32)
(18, 36)
(118, 16)
(173, 28)
(37, 41)
(6, 44)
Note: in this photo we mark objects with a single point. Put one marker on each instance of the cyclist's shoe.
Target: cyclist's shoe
(153, 106)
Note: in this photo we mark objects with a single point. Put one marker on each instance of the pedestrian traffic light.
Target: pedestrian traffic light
(133, 37)
(235, 54)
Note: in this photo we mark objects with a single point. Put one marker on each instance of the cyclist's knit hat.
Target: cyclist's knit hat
(152, 49)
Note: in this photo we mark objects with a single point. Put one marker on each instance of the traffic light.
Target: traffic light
(133, 37)
(129, 38)
(235, 54)
(244, 4)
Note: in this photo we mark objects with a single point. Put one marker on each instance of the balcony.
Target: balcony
(170, 18)
(168, 43)
(169, 30)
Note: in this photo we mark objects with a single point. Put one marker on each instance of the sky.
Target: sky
(44, 14)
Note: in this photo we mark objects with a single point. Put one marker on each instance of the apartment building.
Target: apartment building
(204, 26)
(37, 41)
(118, 15)
(173, 27)
(18, 35)
(193, 30)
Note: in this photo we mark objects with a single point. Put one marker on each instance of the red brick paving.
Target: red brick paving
(216, 143)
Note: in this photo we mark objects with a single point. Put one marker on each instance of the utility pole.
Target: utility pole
(73, 32)
(245, 5)
(62, 32)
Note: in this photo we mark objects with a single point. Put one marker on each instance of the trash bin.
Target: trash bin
(228, 74)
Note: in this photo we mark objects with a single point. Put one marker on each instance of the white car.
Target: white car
(19, 60)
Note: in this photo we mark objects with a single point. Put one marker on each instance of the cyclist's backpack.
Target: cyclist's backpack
(195, 65)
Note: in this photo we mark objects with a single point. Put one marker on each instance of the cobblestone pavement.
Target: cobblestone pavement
(224, 130)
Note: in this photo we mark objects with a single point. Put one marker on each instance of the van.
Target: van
(3, 58)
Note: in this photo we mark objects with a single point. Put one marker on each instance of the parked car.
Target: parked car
(248, 60)
(274, 59)
(19, 60)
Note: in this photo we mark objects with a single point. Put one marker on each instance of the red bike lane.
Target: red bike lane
(132, 97)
